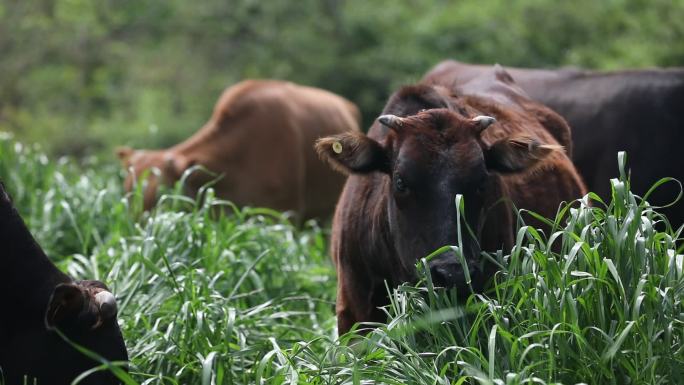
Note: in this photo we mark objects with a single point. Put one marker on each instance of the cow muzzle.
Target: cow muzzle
(446, 271)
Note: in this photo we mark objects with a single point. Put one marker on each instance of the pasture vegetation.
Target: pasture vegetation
(84, 76)
(248, 298)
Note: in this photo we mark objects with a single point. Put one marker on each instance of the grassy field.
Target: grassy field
(248, 298)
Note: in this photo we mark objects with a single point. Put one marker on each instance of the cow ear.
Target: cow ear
(124, 154)
(556, 125)
(517, 154)
(353, 152)
(65, 304)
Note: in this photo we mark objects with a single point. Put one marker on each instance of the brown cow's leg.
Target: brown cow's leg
(357, 301)
(345, 317)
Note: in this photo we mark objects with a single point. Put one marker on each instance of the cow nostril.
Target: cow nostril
(107, 310)
(443, 275)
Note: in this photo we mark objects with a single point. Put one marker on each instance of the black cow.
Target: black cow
(638, 111)
(37, 299)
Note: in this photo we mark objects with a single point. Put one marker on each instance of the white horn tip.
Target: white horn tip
(389, 120)
(107, 303)
(484, 121)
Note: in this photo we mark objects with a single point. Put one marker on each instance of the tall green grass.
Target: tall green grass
(247, 298)
(199, 294)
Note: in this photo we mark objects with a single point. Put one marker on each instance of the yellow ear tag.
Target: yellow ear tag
(337, 147)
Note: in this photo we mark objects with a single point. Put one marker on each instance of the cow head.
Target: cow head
(163, 167)
(428, 158)
(47, 300)
(85, 312)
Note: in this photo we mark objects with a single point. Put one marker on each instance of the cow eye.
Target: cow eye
(399, 184)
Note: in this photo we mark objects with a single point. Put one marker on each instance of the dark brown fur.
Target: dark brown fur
(381, 226)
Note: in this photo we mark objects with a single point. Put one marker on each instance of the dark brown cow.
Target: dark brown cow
(431, 144)
(260, 139)
(638, 111)
(37, 299)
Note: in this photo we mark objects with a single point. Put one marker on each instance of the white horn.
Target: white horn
(107, 304)
(483, 122)
(391, 121)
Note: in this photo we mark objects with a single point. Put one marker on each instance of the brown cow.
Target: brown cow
(260, 139)
(431, 144)
(36, 299)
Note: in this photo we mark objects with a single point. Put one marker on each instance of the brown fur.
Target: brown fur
(260, 139)
(528, 169)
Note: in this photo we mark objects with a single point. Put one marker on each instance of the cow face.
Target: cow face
(163, 167)
(428, 159)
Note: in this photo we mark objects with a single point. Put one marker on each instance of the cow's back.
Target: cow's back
(261, 136)
(318, 113)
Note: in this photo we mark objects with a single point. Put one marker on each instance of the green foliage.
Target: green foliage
(247, 298)
(598, 301)
(83, 76)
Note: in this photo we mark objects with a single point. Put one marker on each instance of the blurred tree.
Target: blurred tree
(82, 76)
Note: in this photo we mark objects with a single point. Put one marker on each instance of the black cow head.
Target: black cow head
(84, 313)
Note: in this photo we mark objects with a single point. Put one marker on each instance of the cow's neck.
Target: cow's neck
(28, 277)
(395, 271)
(210, 133)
